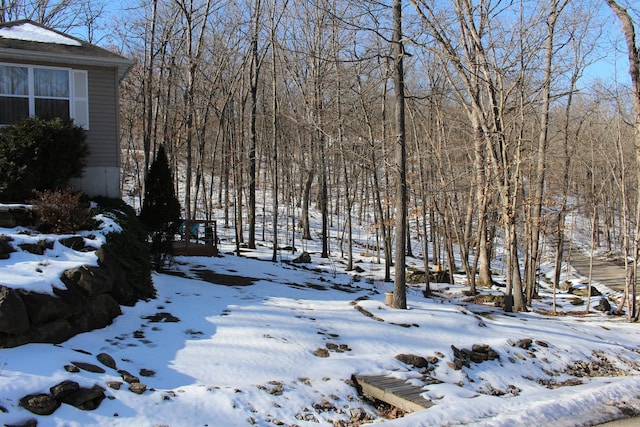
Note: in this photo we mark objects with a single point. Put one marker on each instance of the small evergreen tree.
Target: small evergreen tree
(160, 209)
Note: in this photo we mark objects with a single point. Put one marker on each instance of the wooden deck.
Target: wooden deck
(182, 248)
(198, 238)
(393, 391)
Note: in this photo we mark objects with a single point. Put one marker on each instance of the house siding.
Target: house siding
(104, 70)
(102, 173)
(102, 137)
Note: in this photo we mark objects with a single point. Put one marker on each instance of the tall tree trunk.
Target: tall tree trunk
(400, 285)
(255, 73)
(539, 177)
(629, 31)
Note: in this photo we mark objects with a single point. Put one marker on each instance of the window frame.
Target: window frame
(77, 79)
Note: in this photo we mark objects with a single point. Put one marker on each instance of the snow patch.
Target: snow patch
(33, 33)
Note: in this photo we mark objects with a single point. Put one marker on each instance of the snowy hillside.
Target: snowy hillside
(236, 341)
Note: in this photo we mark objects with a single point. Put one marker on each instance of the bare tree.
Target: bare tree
(629, 27)
(400, 165)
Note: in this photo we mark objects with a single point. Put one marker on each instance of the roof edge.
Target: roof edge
(122, 64)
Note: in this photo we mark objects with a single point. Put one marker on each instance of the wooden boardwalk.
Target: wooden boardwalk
(393, 391)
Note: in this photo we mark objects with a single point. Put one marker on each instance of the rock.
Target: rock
(147, 372)
(432, 360)
(99, 311)
(71, 368)
(53, 332)
(13, 314)
(37, 248)
(137, 388)
(28, 423)
(40, 404)
(583, 291)
(122, 291)
(479, 353)
(13, 216)
(86, 399)
(357, 414)
(524, 343)
(413, 360)
(63, 389)
(93, 280)
(321, 352)
(5, 247)
(74, 242)
(114, 385)
(603, 306)
(127, 377)
(42, 308)
(303, 258)
(89, 367)
(106, 360)
(161, 317)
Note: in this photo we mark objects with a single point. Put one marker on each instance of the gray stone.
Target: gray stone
(27, 423)
(74, 242)
(13, 216)
(93, 280)
(13, 314)
(99, 311)
(137, 388)
(53, 332)
(37, 248)
(303, 258)
(63, 389)
(114, 384)
(40, 404)
(43, 308)
(147, 372)
(86, 399)
(107, 360)
(413, 360)
(321, 352)
(122, 291)
(603, 305)
(524, 343)
(89, 367)
(128, 377)
(5, 247)
(584, 291)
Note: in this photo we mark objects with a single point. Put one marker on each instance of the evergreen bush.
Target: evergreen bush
(38, 154)
(129, 247)
(160, 209)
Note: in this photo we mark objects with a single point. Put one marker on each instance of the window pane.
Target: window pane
(49, 82)
(14, 80)
(51, 108)
(13, 109)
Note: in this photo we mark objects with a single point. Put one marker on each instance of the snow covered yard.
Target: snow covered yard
(235, 341)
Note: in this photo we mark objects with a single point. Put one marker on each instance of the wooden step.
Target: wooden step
(393, 391)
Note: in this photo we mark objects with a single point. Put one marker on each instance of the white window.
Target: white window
(44, 92)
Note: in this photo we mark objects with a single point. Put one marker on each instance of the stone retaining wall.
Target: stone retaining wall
(91, 300)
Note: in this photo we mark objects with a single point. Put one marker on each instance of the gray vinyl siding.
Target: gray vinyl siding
(102, 136)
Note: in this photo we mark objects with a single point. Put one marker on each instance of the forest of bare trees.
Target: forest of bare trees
(460, 122)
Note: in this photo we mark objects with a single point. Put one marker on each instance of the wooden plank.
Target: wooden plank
(393, 391)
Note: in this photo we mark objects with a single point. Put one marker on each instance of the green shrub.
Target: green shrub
(129, 247)
(61, 211)
(160, 210)
(37, 154)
